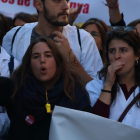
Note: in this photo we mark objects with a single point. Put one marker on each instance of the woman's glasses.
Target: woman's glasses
(95, 34)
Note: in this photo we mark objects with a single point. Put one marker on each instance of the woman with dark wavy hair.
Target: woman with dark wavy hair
(43, 80)
(119, 81)
(97, 28)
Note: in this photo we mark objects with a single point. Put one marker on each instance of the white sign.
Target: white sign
(68, 124)
(11, 7)
(90, 9)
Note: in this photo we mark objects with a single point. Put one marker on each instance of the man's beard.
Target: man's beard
(51, 18)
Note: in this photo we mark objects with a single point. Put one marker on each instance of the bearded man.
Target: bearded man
(53, 23)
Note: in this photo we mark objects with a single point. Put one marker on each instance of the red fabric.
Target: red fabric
(101, 109)
(114, 6)
(126, 93)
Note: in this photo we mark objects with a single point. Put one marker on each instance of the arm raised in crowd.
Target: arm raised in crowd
(116, 18)
(73, 14)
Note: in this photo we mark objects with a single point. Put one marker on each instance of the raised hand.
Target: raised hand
(112, 69)
(112, 2)
(73, 13)
(63, 43)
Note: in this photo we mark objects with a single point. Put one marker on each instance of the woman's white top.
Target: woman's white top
(132, 118)
(4, 60)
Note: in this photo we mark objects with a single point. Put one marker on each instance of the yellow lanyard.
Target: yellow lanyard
(47, 105)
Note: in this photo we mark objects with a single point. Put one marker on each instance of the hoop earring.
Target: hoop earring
(136, 62)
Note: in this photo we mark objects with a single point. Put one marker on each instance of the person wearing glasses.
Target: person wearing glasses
(97, 28)
(119, 80)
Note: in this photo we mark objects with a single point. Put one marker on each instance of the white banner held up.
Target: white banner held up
(11, 7)
(68, 124)
(90, 9)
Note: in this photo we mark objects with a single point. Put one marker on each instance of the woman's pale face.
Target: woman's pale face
(120, 50)
(93, 28)
(43, 64)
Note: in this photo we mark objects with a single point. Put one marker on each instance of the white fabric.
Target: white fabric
(132, 118)
(4, 60)
(4, 69)
(4, 123)
(89, 57)
(69, 124)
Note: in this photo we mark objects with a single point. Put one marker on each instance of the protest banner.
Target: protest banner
(69, 124)
(90, 9)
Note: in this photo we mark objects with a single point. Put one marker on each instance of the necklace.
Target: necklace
(47, 105)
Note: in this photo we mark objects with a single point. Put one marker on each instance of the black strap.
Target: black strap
(11, 65)
(14, 38)
(128, 107)
(79, 39)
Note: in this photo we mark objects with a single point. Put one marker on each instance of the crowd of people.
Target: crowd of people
(46, 61)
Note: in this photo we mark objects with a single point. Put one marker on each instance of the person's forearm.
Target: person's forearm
(114, 11)
(85, 78)
(105, 97)
(115, 15)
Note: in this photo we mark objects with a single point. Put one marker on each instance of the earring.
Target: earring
(136, 62)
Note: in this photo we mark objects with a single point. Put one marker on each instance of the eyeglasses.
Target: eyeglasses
(95, 34)
(123, 28)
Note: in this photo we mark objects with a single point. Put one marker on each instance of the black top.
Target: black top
(120, 23)
(31, 100)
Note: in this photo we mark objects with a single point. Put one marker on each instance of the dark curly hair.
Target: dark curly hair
(133, 40)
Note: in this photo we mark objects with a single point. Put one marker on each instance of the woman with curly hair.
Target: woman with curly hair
(118, 83)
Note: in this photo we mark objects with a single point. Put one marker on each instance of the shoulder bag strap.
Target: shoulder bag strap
(11, 65)
(14, 37)
(128, 107)
(79, 39)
